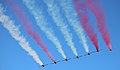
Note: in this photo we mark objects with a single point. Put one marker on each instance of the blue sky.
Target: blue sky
(13, 57)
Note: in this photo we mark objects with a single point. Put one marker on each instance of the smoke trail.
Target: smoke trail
(81, 8)
(41, 22)
(16, 34)
(27, 25)
(73, 20)
(54, 11)
(101, 21)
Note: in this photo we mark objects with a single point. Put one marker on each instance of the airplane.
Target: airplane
(55, 62)
(97, 50)
(66, 59)
(77, 56)
(43, 65)
(110, 49)
(89, 53)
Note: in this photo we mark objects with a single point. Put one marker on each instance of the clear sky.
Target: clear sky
(13, 57)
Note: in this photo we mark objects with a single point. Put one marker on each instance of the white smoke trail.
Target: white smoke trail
(54, 11)
(74, 22)
(16, 34)
(40, 19)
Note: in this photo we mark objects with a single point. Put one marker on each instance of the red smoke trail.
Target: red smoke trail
(84, 18)
(101, 21)
(27, 25)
